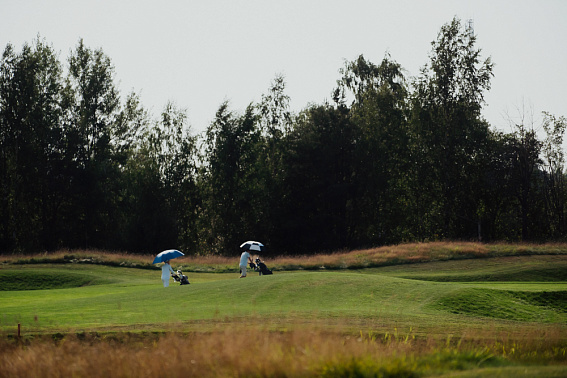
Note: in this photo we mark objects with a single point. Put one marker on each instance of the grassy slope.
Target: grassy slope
(382, 297)
(547, 268)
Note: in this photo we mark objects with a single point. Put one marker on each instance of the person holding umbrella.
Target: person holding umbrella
(245, 257)
(166, 269)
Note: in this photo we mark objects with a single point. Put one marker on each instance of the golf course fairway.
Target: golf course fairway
(427, 301)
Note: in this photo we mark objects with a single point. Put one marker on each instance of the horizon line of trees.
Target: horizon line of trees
(390, 159)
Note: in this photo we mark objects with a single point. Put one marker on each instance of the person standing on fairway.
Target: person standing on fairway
(165, 273)
(244, 260)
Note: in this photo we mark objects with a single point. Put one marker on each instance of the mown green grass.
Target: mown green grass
(134, 302)
(107, 297)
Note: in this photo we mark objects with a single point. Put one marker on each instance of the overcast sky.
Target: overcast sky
(200, 53)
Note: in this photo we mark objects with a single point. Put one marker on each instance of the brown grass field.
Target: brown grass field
(240, 351)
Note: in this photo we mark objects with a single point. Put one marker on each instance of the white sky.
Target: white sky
(200, 53)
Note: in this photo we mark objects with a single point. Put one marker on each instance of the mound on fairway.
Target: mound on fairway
(510, 305)
(13, 280)
(500, 269)
(547, 274)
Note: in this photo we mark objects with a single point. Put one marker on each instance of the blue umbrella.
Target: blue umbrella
(253, 246)
(167, 255)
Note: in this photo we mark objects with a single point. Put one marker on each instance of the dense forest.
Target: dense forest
(388, 159)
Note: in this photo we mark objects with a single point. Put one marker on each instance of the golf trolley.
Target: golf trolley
(180, 277)
(260, 267)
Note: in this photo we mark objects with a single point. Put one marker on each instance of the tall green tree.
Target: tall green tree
(553, 167)
(90, 136)
(31, 112)
(319, 178)
(228, 183)
(178, 162)
(275, 121)
(160, 185)
(379, 115)
(525, 166)
(449, 132)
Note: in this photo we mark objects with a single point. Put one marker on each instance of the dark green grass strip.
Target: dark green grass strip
(509, 305)
(548, 274)
(32, 280)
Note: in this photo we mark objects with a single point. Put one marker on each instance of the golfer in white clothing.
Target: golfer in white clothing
(244, 260)
(165, 273)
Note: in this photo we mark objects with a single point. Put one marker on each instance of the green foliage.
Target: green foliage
(160, 185)
(449, 134)
(319, 180)
(94, 102)
(380, 159)
(32, 110)
(230, 186)
(393, 159)
(555, 185)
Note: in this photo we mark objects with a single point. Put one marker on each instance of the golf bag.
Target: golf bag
(180, 277)
(261, 268)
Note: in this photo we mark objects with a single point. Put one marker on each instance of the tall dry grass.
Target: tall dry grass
(245, 352)
(373, 257)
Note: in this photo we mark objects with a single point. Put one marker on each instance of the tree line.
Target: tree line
(388, 159)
